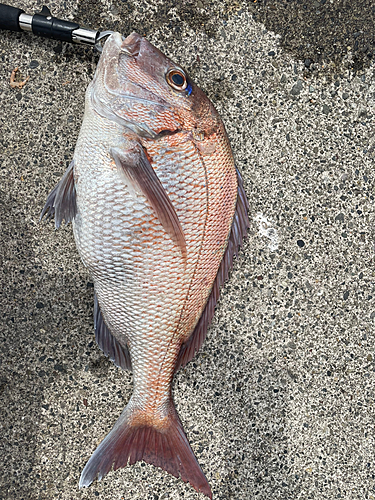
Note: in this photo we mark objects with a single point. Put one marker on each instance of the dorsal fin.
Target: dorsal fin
(237, 234)
(106, 341)
(61, 202)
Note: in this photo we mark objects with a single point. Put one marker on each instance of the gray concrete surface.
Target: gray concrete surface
(279, 402)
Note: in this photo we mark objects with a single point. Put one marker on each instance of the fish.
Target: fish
(159, 211)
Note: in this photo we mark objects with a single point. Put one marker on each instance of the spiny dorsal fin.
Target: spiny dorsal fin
(106, 341)
(237, 234)
(61, 202)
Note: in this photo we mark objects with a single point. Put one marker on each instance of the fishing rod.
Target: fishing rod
(45, 25)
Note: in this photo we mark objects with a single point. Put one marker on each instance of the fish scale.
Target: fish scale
(158, 214)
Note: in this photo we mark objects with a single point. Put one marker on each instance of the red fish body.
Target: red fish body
(158, 212)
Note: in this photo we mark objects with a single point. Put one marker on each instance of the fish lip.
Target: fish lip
(118, 43)
(129, 45)
(125, 50)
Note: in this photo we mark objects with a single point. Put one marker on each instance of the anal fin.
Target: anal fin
(61, 202)
(111, 347)
(238, 233)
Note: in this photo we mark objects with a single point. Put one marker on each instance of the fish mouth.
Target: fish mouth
(130, 45)
(118, 45)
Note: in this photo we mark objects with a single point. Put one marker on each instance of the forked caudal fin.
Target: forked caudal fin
(131, 441)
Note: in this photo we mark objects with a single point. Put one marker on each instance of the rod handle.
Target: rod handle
(9, 17)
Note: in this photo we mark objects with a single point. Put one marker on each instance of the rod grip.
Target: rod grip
(9, 17)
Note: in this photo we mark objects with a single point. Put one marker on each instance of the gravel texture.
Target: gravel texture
(279, 401)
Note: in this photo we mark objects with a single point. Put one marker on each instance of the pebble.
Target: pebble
(296, 89)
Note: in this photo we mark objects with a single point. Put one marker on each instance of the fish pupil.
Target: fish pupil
(178, 79)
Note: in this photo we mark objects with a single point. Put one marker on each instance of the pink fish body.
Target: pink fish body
(158, 212)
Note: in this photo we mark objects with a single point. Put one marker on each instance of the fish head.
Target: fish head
(140, 88)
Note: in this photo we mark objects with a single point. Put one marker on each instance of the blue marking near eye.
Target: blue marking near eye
(189, 89)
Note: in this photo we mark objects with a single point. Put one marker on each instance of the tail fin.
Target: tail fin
(129, 442)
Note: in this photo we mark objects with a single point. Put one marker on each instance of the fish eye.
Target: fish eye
(176, 79)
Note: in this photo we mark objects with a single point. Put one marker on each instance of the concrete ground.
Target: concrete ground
(279, 401)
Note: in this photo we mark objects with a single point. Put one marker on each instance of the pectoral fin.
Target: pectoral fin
(135, 167)
(61, 202)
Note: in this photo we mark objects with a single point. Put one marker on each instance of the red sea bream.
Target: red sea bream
(158, 212)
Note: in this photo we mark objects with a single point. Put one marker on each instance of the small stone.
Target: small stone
(271, 53)
(369, 357)
(345, 95)
(326, 109)
(33, 64)
(283, 79)
(59, 368)
(296, 89)
(114, 10)
(307, 63)
(311, 89)
(346, 295)
(39, 305)
(300, 243)
(340, 217)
